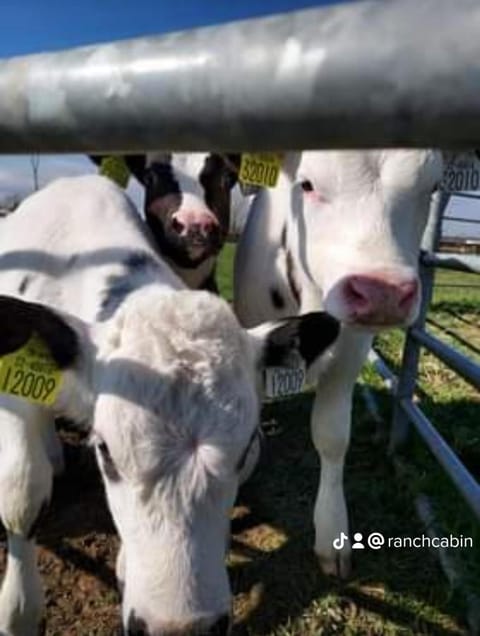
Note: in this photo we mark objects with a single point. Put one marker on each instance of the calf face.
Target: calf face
(358, 219)
(169, 386)
(187, 202)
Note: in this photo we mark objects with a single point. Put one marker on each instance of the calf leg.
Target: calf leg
(25, 487)
(331, 435)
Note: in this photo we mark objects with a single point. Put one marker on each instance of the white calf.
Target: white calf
(163, 377)
(341, 231)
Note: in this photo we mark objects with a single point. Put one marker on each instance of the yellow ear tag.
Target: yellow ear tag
(115, 169)
(260, 169)
(30, 373)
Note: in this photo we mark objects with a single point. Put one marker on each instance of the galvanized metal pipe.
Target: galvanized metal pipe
(362, 74)
(461, 219)
(469, 370)
(455, 261)
(460, 476)
(411, 353)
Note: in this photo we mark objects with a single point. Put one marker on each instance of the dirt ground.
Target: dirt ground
(278, 587)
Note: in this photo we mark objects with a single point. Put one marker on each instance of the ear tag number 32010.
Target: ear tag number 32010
(30, 373)
(260, 169)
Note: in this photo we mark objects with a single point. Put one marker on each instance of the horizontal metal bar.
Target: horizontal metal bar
(382, 368)
(456, 261)
(459, 219)
(466, 195)
(350, 75)
(449, 356)
(458, 285)
(460, 476)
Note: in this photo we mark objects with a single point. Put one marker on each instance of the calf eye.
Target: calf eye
(307, 185)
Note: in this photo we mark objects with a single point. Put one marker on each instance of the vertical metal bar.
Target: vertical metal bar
(411, 353)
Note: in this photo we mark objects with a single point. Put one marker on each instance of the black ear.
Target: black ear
(19, 320)
(307, 335)
(232, 164)
(137, 165)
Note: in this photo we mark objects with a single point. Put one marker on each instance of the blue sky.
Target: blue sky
(32, 26)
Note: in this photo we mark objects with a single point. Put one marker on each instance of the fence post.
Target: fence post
(411, 352)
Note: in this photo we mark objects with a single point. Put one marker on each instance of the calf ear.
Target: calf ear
(306, 337)
(232, 163)
(20, 320)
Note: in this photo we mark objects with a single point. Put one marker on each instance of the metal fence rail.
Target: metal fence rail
(353, 75)
(406, 412)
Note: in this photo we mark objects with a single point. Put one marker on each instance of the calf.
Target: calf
(187, 208)
(341, 232)
(165, 380)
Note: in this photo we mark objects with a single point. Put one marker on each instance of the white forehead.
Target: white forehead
(348, 171)
(181, 379)
(190, 163)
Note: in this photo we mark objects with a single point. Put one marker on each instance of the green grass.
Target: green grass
(279, 589)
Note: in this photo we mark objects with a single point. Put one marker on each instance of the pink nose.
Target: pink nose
(372, 300)
(203, 222)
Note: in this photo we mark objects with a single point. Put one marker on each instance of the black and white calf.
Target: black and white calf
(187, 208)
(163, 377)
(342, 232)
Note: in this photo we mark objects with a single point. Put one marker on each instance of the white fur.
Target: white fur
(367, 212)
(167, 380)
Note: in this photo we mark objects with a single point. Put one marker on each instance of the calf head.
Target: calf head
(187, 202)
(357, 222)
(169, 387)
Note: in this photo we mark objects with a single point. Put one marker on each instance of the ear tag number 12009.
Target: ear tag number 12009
(260, 169)
(280, 382)
(30, 373)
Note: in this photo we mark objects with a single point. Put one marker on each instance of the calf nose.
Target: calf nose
(138, 627)
(188, 222)
(373, 300)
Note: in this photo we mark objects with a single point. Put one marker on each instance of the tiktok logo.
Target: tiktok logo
(339, 542)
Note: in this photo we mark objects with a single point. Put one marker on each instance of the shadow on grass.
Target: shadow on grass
(292, 595)
(277, 583)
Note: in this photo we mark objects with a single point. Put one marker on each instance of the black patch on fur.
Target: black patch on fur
(24, 283)
(217, 179)
(159, 181)
(283, 237)
(309, 334)
(277, 298)
(20, 320)
(37, 522)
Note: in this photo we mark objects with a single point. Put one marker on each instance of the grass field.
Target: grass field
(279, 589)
